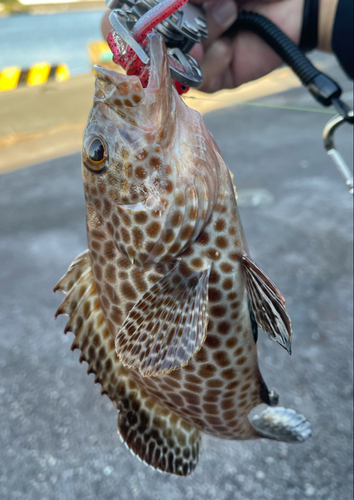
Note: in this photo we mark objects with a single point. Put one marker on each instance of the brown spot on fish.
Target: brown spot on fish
(230, 343)
(109, 250)
(117, 315)
(229, 415)
(221, 358)
(193, 213)
(187, 252)
(115, 220)
(98, 271)
(218, 311)
(214, 295)
(125, 235)
(226, 267)
(220, 225)
(228, 374)
(213, 254)
(211, 409)
(136, 98)
(153, 229)
(212, 341)
(124, 216)
(227, 284)
(94, 220)
(155, 162)
(138, 237)
(221, 242)
(227, 404)
(197, 263)
(176, 219)
(179, 199)
(169, 186)
(224, 327)
(203, 239)
(141, 173)
(186, 232)
(219, 207)
(123, 88)
(140, 217)
(235, 256)
(184, 269)
(96, 245)
(110, 273)
(200, 357)
(241, 361)
(207, 370)
(168, 236)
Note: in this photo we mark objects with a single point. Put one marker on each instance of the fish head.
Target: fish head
(128, 128)
(138, 157)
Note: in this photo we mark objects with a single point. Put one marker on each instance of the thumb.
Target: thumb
(214, 65)
(220, 15)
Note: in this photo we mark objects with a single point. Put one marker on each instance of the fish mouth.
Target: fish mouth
(158, 71)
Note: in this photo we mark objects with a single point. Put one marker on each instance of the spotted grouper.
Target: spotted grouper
(164, 304)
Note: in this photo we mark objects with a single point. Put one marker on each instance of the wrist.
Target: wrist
(327, 14)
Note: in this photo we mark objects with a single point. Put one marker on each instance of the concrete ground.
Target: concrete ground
(58, 435)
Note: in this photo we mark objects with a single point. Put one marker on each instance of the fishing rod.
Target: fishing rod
(186, 26)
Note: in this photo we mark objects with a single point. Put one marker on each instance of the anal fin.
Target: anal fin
(158, 437)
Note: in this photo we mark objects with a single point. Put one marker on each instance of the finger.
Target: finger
(220, 15)
(215, 65)
(197, 51)
(252, 58)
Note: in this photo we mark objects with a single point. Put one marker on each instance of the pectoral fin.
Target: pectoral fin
(168, 325)
(268, 304)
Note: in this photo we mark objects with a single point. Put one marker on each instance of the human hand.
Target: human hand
(227, 63)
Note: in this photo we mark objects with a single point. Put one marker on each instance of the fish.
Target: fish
(166, 302)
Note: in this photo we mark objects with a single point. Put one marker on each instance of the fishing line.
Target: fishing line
(250, 103)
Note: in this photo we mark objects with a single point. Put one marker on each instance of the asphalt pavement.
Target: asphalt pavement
(58, 434)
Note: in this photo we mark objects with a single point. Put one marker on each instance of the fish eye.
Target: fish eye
(96, 154)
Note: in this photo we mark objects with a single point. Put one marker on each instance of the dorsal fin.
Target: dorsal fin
(268, 304)
(168, 325)
(156, 435)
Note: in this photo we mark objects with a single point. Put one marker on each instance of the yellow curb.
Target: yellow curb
(38, 74)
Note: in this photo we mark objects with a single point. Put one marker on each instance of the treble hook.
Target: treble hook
(328, 132)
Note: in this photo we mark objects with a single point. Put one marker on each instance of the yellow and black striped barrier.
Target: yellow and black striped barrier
(38, 74)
